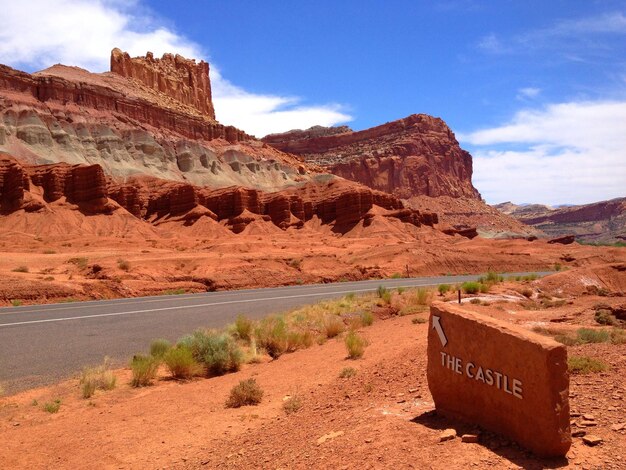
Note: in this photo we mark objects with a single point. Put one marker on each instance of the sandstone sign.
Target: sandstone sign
(501, 377)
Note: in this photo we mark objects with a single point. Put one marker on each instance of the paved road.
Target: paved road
(41, 344)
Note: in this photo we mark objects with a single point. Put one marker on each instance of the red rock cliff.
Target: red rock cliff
(182, 79)
(418, 155)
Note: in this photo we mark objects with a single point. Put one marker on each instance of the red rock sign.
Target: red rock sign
(501, 377)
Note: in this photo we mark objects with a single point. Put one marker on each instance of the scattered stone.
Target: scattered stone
(579, 433)
(469, 438)
(412, 390)
(327, 437)
(447, 435)
(587, 424)
(589, 417)
(369, 440)
(592, 440)
(618, 427)
(574, 414)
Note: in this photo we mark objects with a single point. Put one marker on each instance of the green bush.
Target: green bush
(444, 288)
(587, 335)
(471, 287)
(396, 276)
(181, 363)
(382, 290)
(159, 347)
(245, 393)
(218, 352)
(243, 328)
(386, 296)
(618, 336)
(52, 406)
(367, 318)
(355, 344)
(271, 334)
(567, 340)
(293, 404)
(421, 297)
(585, 365)
(484, 288)
(144, 369)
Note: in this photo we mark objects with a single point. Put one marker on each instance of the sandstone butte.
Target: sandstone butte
(501, 376)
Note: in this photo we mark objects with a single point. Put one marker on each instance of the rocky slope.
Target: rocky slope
(336, 202)
(599, 222)
(148, 116)
(415, 156)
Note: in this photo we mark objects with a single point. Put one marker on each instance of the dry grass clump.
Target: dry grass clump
(159, 347)
(444, 289)
(20, 269)
(144, 369)
(243, 328)
(332, 326)
(80, 262)
(347, 372)
(181, 363)
(605, 317)
(355, 344)
(271, 335)
(585, 365)
(123, 264)
(97, 378)
(245, 393)
(52, 406)
(293, 404)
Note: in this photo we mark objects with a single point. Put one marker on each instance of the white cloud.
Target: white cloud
(563, 153)
(38, 33)
(491, 44)
(528, 93)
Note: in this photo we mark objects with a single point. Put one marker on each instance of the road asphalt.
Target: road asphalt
(42, 344)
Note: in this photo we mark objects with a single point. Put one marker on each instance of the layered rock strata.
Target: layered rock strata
(332, 200)
(418, 155)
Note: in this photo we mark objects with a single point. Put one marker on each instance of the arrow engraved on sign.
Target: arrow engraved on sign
(439, 329)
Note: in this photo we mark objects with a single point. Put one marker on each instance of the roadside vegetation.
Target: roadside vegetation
(585, 335)
(97, 378)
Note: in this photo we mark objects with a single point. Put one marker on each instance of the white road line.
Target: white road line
(169, 298)
(53, 320)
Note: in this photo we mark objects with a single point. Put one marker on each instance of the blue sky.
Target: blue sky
(535, 90)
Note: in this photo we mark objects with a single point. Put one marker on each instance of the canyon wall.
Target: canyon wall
(415, 156)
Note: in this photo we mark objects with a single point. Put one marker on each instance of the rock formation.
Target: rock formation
(603, 222)
(418, 155)
(333, 201)
(150, 116)
(179, 78)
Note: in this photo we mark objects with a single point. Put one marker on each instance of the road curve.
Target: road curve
(41, 344)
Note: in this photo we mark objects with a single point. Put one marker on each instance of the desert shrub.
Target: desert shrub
(271, 335)
(218, 352)
(396, 276)
(350, 297)
(173, 292)
(484, 288)
(299, 339)
(386, 297)
(401, 290)
(97, 378)
(605, 317)
(332, 326)
(419, 321)
(20, 269)
(49, 252)
(347, 372)
(528, 293)
(245, 393)
(588, 335)
(530, 277)
(294, 263)
(421, 296)
(557, 267)
(444, 288)
(493, 277)
(567, 340)
(78, 262)
(618, 336)
(123, 264)
(367, 318)
(144, 369)
(382, 290)
(293, 404)
(470, 287)
(355, 344)
(475, 301)
(181, 363)
(16, 302)
(243, 328)
(159, 347)
(585, 365)
(52, 406)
